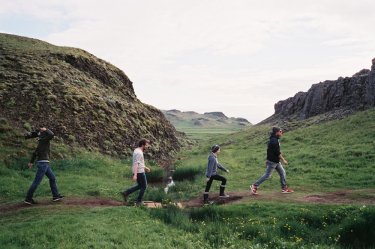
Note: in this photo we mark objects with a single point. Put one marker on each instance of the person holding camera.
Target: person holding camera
(41, 156)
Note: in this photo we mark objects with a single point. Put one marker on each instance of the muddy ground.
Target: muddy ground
(363, 196)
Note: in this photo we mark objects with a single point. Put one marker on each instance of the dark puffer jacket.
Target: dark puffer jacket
(273, 150)
(42, 152)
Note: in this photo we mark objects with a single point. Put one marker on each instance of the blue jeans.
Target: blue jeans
(141, 184)
(43, 169)
(270, 167)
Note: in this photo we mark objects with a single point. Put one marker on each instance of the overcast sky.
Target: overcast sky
(235, 56)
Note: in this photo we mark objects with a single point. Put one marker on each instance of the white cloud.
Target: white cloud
(239, 57)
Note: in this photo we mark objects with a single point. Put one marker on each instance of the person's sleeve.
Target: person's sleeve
(137, 161)
(210, 166)
(275, 147)
(50, 134)
(221, 167)
(33, 156)
(32, 134)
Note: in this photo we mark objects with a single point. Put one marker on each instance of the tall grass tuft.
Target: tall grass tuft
(359, 232)
(156, 175)
(155, 194)
(174, 216)
(218, 235)
(187, 173)
(209, 213)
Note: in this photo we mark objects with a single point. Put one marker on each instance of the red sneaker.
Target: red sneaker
(253, 189)
(286, 190)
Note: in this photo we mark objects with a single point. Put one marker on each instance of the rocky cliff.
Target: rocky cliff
(83, 99)
(332, 98)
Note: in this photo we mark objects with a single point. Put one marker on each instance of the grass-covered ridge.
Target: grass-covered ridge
(322, 157)
(84, 100)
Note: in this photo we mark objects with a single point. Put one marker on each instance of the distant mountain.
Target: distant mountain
(206, 120)
(331, 99)
(83, 99)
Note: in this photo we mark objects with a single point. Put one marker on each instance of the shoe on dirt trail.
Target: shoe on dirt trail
(287, 190)
(57, 198)
(30, 202)
(253, 189)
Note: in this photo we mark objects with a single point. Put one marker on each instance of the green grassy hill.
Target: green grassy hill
(322, 157)
(331, 157)
(84, 100)
(200, 126)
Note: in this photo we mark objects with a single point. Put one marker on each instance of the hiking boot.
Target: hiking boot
(224, 196)
(222, 189)
(57, 198)
(286, 190)
(30, 202)
(253, 189)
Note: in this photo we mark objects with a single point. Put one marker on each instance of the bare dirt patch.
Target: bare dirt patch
(97, 202)
(362, 196)
(198, 202)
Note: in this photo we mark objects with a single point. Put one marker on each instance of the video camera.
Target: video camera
(32, 134)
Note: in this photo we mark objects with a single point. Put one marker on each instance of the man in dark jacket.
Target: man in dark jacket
(273, 163)
(211, 174)
(41, 156)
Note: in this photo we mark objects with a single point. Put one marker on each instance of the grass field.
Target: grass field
(324, 157)
(329, 157)
(203, 134)
(257, 225)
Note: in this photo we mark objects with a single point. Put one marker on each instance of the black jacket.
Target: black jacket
(42, 152)
(273, 150)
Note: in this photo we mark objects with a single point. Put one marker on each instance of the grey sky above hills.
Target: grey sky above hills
(239, 57)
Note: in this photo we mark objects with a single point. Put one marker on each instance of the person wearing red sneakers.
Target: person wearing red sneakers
(211, 174)
(273, 163)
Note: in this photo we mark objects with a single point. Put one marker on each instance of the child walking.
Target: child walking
(211, 174)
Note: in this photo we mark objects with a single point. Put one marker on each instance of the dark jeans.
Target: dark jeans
(43, 169)
(218, 178)
(141, 184)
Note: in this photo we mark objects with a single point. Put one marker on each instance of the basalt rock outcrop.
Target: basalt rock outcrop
(84, 100)
(332, 99)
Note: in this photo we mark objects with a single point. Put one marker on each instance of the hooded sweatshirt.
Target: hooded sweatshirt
(273, 150)
(212, 165)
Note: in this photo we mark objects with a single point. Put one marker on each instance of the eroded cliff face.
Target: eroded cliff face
(334, 98)
(86, 101)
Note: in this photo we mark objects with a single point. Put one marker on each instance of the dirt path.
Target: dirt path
(66, 201)
(362, 196)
